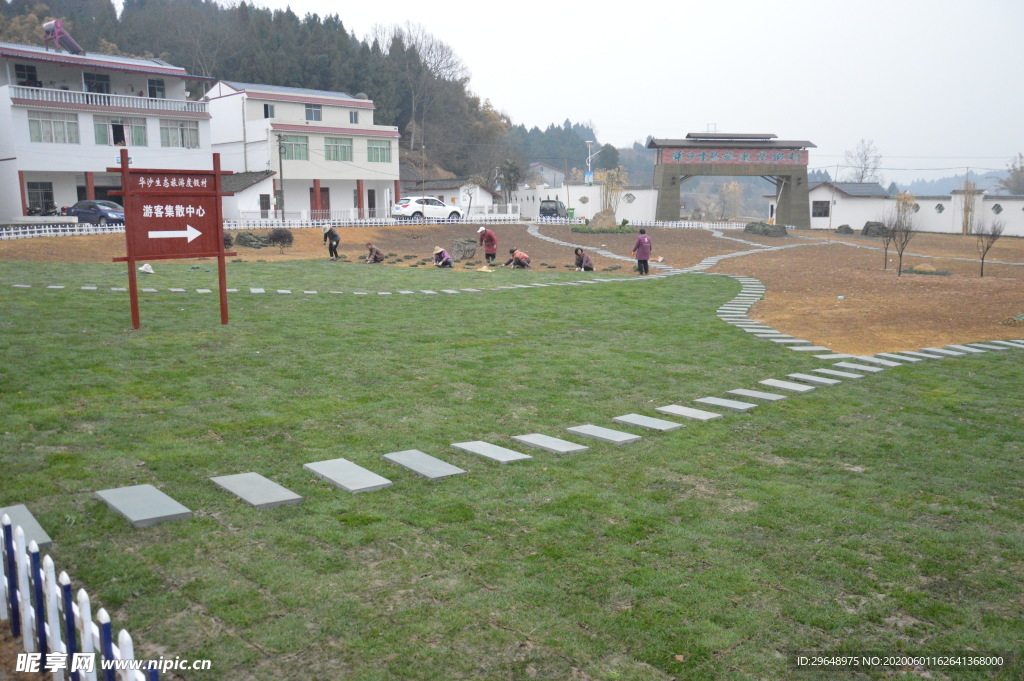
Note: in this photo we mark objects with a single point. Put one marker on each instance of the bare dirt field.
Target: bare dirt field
(829, 290)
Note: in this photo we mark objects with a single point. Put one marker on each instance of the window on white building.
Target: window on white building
(314, 112)
(180, 134)
(294, 148)
(120, 131)
(39, 194)
(156, 88)
(939, 208)
(337, 149)
(96, 82)
(25, 74)
(378, 151)
(997, 209)
(53, 126)
(353, 117)
(268, 110)
(820, 209)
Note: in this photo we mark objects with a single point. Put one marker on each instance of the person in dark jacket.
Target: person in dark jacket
(374, 254)
(642, 252)
(332, 239)
(441, 257)
(583, 261)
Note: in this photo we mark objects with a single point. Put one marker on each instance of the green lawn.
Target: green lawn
(883, 515)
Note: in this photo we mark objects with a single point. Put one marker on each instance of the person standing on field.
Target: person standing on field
(332, 239)
(642, 252)
(490, 243)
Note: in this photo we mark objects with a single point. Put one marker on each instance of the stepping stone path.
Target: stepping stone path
(878, 361)
(647, 422)
(423, 464)
(21, 517)
(143, 505)
(551, 444)
(903, 358)
(604, 434)
(756, 394)
(986, 346)
(492, 452)
(256, 490)
(347, 475)
(787, 385)
(735, 405)
(689, 412)
(922, 355)
(944, 351)
(840, 374)
(817, 380)
(858, 367)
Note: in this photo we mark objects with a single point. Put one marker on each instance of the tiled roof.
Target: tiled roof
(281, 92)
(241, 181)
(855, 188)
(95, 60)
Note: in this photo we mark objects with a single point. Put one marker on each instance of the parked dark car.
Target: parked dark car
(97, 212)
(552, 209)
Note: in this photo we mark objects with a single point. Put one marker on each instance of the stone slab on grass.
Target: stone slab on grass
(256, 490)
(735, 405)
(986, 346)
(790, 341)
(488, 451)
(809, 348)
(787, 385)
(423, 464)
(840, 374)
(647, 422)
(347, 475)
(143, 505)
(964, 348)
(550, 444)
(604, 434)
(756, 394)
(901, 358)
(944, 351)
(1009, 344)
(853, 366)
(922, 355)
(22, 517)
(689, 412)
(815, 380)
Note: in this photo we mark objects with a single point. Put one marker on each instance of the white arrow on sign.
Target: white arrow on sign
(189, 233)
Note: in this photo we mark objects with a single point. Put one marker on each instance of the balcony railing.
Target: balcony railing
(90, 99)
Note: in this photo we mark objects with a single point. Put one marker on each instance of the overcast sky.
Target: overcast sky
(935, 84)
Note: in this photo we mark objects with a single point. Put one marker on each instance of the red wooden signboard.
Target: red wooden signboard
(172, 214)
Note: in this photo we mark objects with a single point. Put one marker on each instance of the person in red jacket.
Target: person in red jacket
(642, 252)
(490, 243)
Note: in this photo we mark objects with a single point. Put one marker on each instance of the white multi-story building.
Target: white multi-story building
(329, 159)
(65, 117)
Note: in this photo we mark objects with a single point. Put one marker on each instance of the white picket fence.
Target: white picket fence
(60, 229)
(51, 622)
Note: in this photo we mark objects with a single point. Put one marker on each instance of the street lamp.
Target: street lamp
(590, 176)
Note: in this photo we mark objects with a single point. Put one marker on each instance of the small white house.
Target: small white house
(547, 174)
(636, 204)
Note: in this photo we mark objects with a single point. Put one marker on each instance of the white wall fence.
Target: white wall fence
(54, 625)
(62, 229)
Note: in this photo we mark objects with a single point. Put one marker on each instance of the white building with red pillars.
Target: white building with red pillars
(65, 117)
(319, 151)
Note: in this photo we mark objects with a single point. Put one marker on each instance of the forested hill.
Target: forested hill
(416, 82)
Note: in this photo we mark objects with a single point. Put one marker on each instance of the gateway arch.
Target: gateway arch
(781, 162)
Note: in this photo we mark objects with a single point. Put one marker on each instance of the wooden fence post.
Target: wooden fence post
(69, 620)
(21, 566)
(85, 626)
(37, 597)
(52, 616)
(106, 642)
(12, 577)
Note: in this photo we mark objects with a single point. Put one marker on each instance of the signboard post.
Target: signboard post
(172, 214)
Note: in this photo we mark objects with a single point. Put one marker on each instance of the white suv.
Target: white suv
(417, 207)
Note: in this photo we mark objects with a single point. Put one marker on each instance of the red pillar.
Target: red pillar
(90, 187)
(317, 199)
(361, 200)
(398, 190)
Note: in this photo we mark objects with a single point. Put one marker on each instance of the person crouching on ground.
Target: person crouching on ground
(374, 254)
(490, 243)
(331, 236)
(441, 257)
(519, 260)
(583, 261)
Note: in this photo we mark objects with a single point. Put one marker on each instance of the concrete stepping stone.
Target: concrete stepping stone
(735, 405)
(647, 422)
(206, 290)
(428, 292)
(55, 287)
(877, 360)
(489, 451)
(347, 475)
(256, 490)
(172, 290)
(423, 464)
(791, 341)
(840, 374)
(448, 290)
(986, 346)
(964, 348)
(787, 385)
(923, 355)
(604, 434)
(284, 291)
(689, 412)
(383, 293)
(809, 348)
(257, 290)
(816, 380)
(835, 355)
(143, 505)
(22, 517)
(903, 358)
(1010, 344)
(551, 444)
(89, 288)
(858, 367)
(944, 351)
(756, 394)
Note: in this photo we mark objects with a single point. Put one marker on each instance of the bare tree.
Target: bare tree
(862, 163)
(731, 193)
(902, 226)
(970, 191)
(887, 235)
(987, 236)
